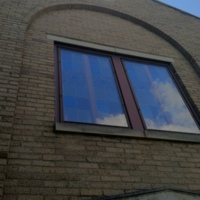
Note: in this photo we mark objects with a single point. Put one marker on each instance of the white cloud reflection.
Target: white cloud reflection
(113, 120)
(171, 102)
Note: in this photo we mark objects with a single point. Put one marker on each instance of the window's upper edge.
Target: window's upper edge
(108, 48)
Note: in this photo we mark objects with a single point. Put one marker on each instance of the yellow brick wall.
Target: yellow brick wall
(37, 162)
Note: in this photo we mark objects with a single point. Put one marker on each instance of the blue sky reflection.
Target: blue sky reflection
(89, 90)
(161, 105)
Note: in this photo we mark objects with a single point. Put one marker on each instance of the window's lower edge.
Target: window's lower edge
(126, 132)
(174, 136)
(96, 129)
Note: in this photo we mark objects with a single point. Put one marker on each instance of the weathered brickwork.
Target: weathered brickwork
(36, 163)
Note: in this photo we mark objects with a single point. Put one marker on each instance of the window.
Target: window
(89, 90)
(159, 100)
(109, 89)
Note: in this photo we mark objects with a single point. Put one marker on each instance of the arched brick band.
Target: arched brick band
(43, 9)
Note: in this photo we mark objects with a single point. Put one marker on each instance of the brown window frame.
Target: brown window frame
(132, 111)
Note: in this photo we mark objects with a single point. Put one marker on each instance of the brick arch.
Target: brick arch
(39, 10)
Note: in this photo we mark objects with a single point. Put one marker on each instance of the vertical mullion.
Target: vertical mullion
(132, 110)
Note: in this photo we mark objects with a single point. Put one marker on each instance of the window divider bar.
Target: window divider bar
(131, 108)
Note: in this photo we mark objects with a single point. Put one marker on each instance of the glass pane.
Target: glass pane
(161, 105)
(89, 90)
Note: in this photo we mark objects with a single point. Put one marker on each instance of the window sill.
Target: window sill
(119, 131)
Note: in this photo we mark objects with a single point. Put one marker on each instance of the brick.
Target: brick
(56, 197)
(161, 158)
(43, 163)
(19, 162)
(120, 173)
(171, 164)
(183, 154)
(88, 165)
(56, 184)
(115, 150)
(3, 161)
(59, 170)
(195, 170)
(165, 169)
(155, 163)
(125, 146)
(133, 151)
(53, 157)
(131, 179)
(30, 183)
(43, 191)
(93, 192)
(169, 180)
(17, 190)
(68, 192)
(110, 178)
(194, 187)
(109, 192)
(105, 144)
(187, 165)
(17, 175)
(2, 176)
(30, 156)
(10, 197)
(30, 169)
(103, 185)
(11, 182)
(30, 197)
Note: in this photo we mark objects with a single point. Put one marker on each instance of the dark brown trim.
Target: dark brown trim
(130, 103)
(60, 86)
(57, 85)
(120, 91)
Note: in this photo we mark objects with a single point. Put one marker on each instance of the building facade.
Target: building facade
(47, 153)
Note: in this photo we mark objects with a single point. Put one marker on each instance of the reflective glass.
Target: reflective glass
(89, 91)
(161, 105)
